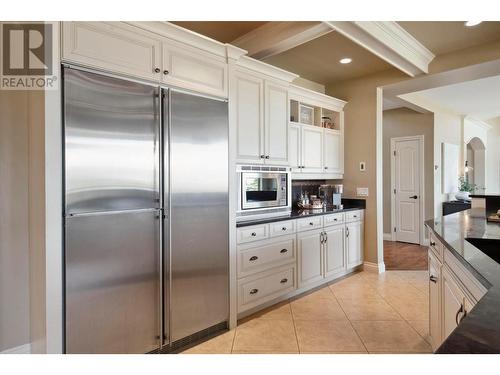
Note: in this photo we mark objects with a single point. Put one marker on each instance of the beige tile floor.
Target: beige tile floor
(362, 313)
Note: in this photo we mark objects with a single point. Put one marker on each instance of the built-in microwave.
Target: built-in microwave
(263, 189)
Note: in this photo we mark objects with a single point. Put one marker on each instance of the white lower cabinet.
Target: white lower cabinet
(334, 246)
(310, 250)
(292, 256)
(435, 306)
(453, 292)
(354, 243)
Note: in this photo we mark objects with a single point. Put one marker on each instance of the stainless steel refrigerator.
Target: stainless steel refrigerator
(146, 215)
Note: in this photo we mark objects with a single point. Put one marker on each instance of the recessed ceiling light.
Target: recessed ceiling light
(472, 23)
(345, 60)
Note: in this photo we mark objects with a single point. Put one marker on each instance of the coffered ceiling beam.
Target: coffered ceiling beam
(273, 38)
(390, 42)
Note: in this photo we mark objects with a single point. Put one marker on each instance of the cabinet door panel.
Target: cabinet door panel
(249, 115)
(194, 70)
(453, 301)
(294, 148)
(309, 250)
(334, 248)
(333, 152)
(276, 130)
(111, 46)
(312, 149)
(354, 235)
(435, 282)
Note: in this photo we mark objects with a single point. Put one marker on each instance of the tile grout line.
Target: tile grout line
(349, 320)
(294, 327)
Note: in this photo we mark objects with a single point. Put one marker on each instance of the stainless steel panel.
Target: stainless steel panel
(198, 213)
(112, 282)
(111, 143)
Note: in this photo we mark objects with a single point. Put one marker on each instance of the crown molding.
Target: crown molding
(267, 69)
(390, 42)
(479, 123)
(304, 95)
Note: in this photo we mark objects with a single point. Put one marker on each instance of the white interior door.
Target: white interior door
(407, 189)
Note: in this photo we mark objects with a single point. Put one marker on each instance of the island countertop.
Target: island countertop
(479, 332)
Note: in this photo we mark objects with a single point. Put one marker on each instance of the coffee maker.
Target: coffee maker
(331, 195)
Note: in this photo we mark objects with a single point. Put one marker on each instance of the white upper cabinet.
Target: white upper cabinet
(112, 46)
(312, 149)
(193, 69)
(333, 151)
(276, 123)
(248, 103)
(147, 50)
(295, 147)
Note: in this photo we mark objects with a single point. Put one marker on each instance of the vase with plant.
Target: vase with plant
(464, 189)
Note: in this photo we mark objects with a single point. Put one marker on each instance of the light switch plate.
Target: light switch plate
(362, 192)
(362, 166)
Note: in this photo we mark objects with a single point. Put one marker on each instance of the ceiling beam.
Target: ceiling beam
(390, 42)
(273, 38)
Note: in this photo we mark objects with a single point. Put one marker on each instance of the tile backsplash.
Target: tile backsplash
(304, 186)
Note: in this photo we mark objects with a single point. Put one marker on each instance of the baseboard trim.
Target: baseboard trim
(387, 237)
(374, 267)
(22, 349)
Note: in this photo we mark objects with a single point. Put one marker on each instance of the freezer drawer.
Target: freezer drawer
(112, 282)
(111, 129)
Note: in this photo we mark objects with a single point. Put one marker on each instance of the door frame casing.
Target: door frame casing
(421, 144)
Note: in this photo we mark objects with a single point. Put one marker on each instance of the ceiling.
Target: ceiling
(445, 36)
(223, 31)
(318, 60)
(478, 99)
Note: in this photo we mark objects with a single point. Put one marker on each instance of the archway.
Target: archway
(475, 161)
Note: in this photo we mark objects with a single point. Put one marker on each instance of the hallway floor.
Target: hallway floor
(363, 313)
(404, 256)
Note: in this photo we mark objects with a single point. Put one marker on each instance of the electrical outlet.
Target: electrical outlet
(362, 166)
(362, 192)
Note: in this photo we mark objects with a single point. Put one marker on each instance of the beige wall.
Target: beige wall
(22, 259)
(404, 122)
(360, 144)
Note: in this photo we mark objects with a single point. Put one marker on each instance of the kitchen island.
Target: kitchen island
(466, 237)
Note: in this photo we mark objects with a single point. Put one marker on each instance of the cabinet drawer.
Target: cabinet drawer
(254, 291)
(436, 246)
(282, 227)
(264, 255)
(351, 216)
(309, 223)
(253, 233)
(333, 219)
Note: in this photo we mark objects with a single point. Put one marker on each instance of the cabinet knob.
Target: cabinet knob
(335, 219)
(326, 167)
(254, 234)
(283, 229)
(253, 258)
(283, 251)
(267, 156)
(283, 281)
(311, 223)
(433, 243)
(262, 156)
(253, 291)
(157, 70)
(166, 72)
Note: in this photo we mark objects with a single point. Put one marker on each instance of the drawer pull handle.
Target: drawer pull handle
(254, 234)
(335, 219)
(284, 228)
(254, 291)
(311, 223)
(283, 251)
(283, 281)
(347, 232)
(461, 310)
(433, 243)
(354, 215)
(253, 258)
(433, 278)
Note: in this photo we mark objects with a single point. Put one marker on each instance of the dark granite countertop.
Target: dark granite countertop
(479, 331)
(297, 213)
(485, 195)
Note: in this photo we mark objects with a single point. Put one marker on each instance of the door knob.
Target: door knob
(414, 197)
